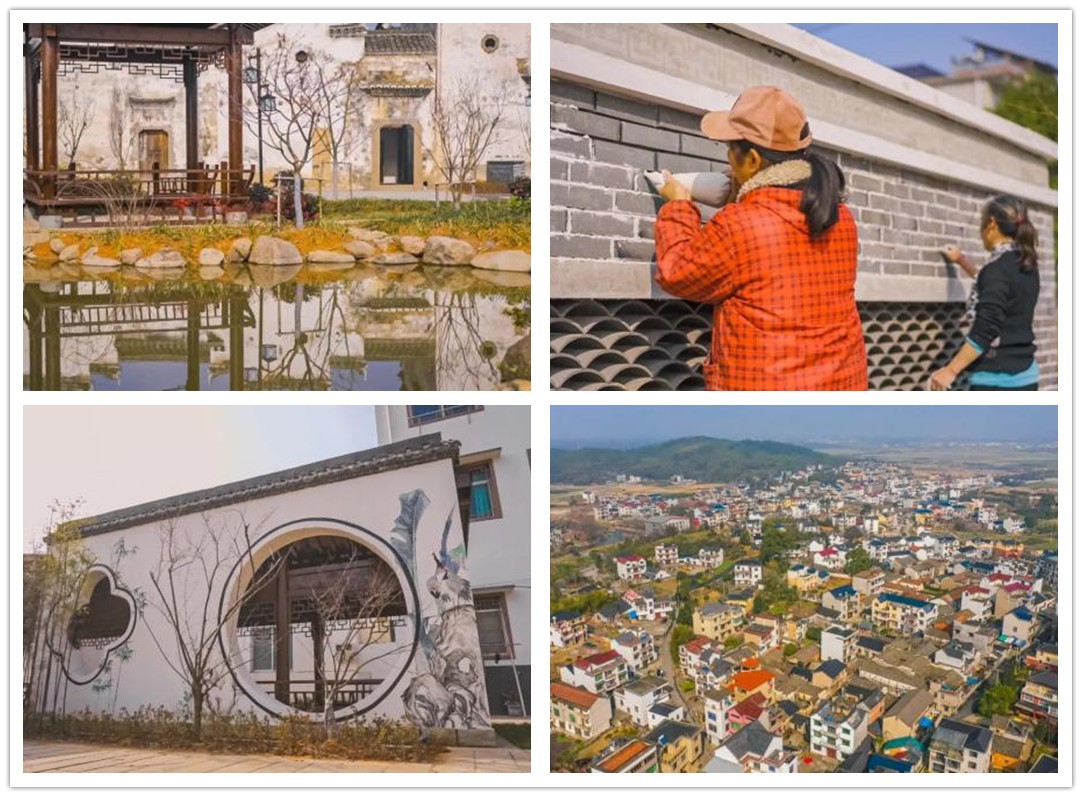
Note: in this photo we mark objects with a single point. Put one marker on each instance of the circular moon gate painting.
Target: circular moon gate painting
(321, 621)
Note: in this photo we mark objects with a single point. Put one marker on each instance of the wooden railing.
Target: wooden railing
(206, 190)
(310, 699)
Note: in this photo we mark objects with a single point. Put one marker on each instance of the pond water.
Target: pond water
(272, 328)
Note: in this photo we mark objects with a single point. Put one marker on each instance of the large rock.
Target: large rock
(377, 237)
(508, 260)
(129, 257)
(93, 260)
(270, 251)
(165, 258)
(56, 245)
(238, 252)
(211, 257)
(70, 252)
(414, 244)
(362, 250)
(443, 251)
(394, 259)
(516, 362)
(326, 256)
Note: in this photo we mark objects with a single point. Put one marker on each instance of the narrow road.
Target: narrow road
(672, 673)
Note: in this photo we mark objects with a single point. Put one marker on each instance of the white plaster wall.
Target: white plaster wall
(371, 502)
(499, 552)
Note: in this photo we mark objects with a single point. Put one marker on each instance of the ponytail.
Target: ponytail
(1012, 217)
(823, 191)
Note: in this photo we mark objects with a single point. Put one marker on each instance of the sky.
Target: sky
(897, 44)
(118, 456)
(579, 425)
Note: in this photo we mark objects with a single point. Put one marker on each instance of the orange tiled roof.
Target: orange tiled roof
(623, 756)
(572, 694)
(752, 679)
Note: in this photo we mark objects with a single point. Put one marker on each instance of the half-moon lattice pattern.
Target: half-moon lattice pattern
(661, 344)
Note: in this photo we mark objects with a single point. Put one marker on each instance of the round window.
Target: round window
(490, 43)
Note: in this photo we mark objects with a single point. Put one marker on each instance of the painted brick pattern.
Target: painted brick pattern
(604, 210)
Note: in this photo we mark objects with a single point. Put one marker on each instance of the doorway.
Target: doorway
(153, 148)
(396, 155)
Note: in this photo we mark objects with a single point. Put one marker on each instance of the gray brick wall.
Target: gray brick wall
(603, 209)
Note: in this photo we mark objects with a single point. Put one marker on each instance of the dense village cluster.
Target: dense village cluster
(862, 618)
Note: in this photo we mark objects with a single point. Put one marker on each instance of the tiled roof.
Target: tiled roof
(752, 679)
(426, 448)
(397, 42)
(624, 756)
(573, 695)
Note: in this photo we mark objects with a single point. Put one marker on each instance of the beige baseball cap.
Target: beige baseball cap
(763, 115)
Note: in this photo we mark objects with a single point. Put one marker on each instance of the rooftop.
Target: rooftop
(620, 758)
(419, 450)
(573, 695)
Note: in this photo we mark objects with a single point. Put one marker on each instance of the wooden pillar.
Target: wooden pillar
(50, 68)
(318, 634)
(191, 122)
(194, 310)
(33, 120)
(33, 323)
(52, 348)
(236, 342)
(234, 75)
(281, 636)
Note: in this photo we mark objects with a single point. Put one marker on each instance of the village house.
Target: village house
(647, 702)
(960, 747)
(838, 643)
(665, 555)
(633, 756)
(844, 600)
(679, 745)
(901, 613)
(577, 712)
(600, 673)
(631, 567)
(716, 706)
(1039, 699)
(753, 749)
(718, 621)
(567, 629)
(638, 649)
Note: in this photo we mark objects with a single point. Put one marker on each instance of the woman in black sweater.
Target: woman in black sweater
(999, 350)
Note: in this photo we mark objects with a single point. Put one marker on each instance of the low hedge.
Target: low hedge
(245, 733)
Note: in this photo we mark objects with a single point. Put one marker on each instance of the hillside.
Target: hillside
(705, 459)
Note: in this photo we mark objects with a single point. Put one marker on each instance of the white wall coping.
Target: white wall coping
(608, 73)
(839, 61)
(608, 279)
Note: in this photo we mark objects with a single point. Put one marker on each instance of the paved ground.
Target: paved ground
(44, 756)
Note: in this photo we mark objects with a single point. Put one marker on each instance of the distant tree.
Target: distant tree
(857, 560)
(790, 648)
(814, 634)
(745, 537)
(74, 117)
(734, 642)
(999, 699)
(681, 634)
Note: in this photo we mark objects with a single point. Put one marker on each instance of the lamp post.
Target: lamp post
(265, 101)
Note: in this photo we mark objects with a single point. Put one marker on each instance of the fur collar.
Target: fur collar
(779, 174)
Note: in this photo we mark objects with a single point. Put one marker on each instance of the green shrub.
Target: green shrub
(245, 733)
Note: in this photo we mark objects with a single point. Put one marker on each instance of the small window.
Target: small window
(490, 43)
(492, 627)
(263, 649)
(484, 503)
(420, 414)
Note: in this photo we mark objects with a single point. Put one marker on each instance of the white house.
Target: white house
(630, 567)
(342, 585)
(748, 572)
(639, 698)
(639, 650)
(495, 473)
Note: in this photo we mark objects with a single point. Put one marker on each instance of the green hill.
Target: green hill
(705, 459)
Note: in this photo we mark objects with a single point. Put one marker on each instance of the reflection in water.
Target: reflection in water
(363, 329)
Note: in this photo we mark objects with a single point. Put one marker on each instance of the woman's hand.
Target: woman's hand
(952, 253)
(672, 190)
(942, 379)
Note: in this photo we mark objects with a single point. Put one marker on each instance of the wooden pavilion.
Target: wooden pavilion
(172, 51)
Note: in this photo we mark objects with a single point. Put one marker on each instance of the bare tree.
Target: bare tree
(341, 131)
(193, 568)
(298, 77)
(465, 124)
(53, 584)
(74, 117)
(355, 607)
(119, 136)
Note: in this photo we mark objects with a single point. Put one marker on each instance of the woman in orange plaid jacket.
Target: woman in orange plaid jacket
(779, 262)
